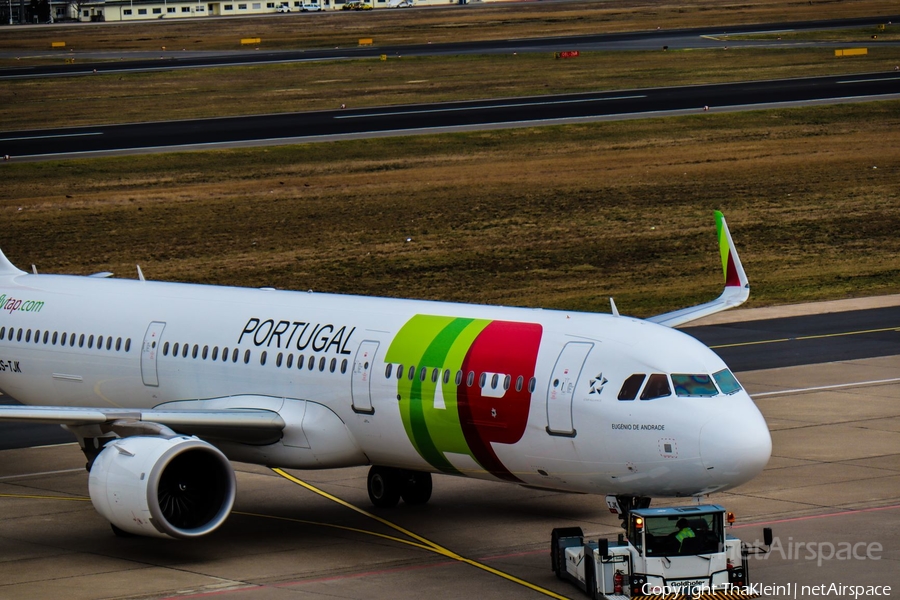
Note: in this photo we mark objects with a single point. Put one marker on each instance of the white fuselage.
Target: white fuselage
(522, 395)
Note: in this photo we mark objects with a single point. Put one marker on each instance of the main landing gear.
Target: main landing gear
(388, 484)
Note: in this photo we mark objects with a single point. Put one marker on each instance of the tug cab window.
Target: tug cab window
(677, 535)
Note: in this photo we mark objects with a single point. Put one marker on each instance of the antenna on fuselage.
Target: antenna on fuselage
(140, 273)
(612, 304)
(34, 269)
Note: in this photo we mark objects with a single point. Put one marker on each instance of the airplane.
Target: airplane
(164, 384)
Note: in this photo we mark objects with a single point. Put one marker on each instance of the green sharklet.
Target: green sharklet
(433, 342)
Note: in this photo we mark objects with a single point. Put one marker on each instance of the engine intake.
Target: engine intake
(170, 487)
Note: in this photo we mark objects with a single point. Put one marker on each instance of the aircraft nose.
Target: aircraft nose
(735, 448)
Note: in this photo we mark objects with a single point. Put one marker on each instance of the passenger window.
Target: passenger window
(225, 354)
(234, 355)
(81, 341)
(246, 357)
(2, 332)
(215, 353)
(532, 384)
(412, 373)
(55, 338)
(657, 387)
(459, 377)
(262, 358)
(46, 336)
(118, 344)
(482, 381)
(332, 365)
(99, 342)
(175, 348)
(727, 382)
(321, 364)
(494, 381)
(28, 336)
(205, 352)
(387, 370)
(311, 363)
(300, 362)
(62, 339)
(506, 382)
(446, 376)
(195, 351)
(470, 379)
(90, 341)
(278, 359)
(184, 350)
(109, 343)
(435, 373)
(694, 385)
(127, 344)
(290, 361)
(343, 366)
(166, 349)
(72, 340)
(399, 372)
(631, 386)
(520, 381)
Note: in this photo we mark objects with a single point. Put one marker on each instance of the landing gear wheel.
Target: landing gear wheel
(385, 485)
(417, 488)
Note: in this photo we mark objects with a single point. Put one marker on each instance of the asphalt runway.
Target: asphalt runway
(701, 37)
(425, 118)
(834, 478)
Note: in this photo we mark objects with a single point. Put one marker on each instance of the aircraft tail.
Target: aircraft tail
(7, 268)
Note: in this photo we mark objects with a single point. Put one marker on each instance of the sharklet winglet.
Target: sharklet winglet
(737, 287)
(7, 268)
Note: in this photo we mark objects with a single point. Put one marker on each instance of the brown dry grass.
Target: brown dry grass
(557, 217)
(317, 86)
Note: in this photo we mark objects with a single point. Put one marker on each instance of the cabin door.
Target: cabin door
(361, 380)
(561, 389)
(149, 352)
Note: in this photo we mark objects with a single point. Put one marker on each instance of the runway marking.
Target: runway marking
(807, 518)
(836, 386)
(426, 543)
(24, 475)
(464, 108)
(35, 497)
(50, 137)
(806, 337)
(868, 80)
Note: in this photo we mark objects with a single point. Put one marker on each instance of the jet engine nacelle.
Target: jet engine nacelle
(170, 487)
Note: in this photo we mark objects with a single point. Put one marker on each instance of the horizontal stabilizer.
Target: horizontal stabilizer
(737, 287)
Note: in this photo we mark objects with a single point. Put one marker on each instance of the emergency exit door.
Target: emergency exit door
(561, 390)
(149, 352)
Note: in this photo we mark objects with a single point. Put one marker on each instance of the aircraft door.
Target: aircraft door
(361, 380)
(149, 352)
(561, 390)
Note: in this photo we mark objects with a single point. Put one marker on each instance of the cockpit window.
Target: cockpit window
(657, 387)
(727, 382)
(631, 387)
(694, 385)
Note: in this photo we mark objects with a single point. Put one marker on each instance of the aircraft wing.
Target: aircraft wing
(253, 426)
(737, 287)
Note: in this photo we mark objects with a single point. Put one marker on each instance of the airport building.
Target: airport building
(42, 11)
